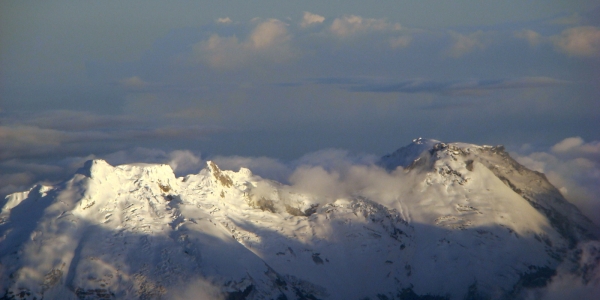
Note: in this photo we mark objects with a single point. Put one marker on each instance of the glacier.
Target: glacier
(431, 220)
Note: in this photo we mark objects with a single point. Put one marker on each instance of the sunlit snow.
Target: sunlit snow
(448, 220)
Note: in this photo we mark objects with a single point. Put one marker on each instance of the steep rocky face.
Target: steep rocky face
(407, 155)
(457, 221)
(532, 186)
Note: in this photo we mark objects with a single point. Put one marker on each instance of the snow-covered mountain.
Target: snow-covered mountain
(432, 221)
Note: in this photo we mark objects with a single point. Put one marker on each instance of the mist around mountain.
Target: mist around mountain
(429, 221)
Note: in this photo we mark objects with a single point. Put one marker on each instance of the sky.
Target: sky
(266, 82)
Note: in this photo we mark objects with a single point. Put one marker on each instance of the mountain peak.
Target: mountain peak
(406, 155)
(95, 167)
(99, 168)
(463, 221)
(425, 141)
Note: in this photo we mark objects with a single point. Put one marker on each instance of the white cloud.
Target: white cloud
(268, 41)
(318, 182)
(567, 285)
(568, 20)
(262, 166)
(19, 175)
(221, 52)
(581, 41)
(134, 82)
(28, 139)
(400, 41)
(70, 119)
(20, 141)
(572, 166)
(577, 147)
(567, 144)
(350, 25)
(464, 44)
(348, 179)
(226, 20)
(200, 289)
(336, 159)
(268, 34)
(184, 162)
(532, 37)
(311, 19)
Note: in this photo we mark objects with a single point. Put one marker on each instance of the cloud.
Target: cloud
(200, 289)
(269, 41)
(134, 82)
(351, 179)
(349, 25)
(532, 37)
(265, 167)
(577, 147)
(334, 159)
(567, 145)
(318, 182)
(221, 52)
(572, 166)
(22, 173)
(14, 182)
(226, 20)
(19, 175)
(30, 141)
(268, 34)
(400, 41)
(581, 41)
(51, 145)
(418, 85)
(70, 119)
(309, 19)
(568, 20)
(185, 162)
(567, 285)
(464, 44)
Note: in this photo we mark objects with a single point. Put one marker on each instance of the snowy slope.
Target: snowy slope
(464, 221)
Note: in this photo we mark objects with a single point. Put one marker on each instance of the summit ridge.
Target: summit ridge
(432, 219)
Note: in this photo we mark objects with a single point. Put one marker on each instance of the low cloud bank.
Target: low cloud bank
(573, 166)
(565, 285)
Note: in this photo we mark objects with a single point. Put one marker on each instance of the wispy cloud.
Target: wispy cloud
(20, 174)
(464, 87)
(467, 43)
(573, 166)
(309, 19)
(269, 40)
(402, 41)
(581, 41)
(133, 82)
(532, 37)
(349, 25)
(31, 141)
(225, 20)
(71, 120)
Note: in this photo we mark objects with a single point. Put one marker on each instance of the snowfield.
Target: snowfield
(429, 221)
